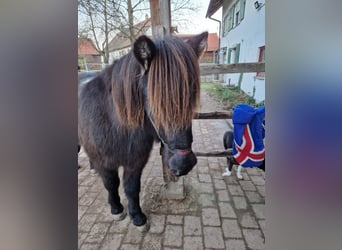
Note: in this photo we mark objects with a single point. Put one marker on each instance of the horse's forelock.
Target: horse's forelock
(173, 84)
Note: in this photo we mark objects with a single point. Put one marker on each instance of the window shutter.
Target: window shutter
(242, 9)
(237, 53)
(229, 54)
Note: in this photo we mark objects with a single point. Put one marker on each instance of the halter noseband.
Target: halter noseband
(176, 151)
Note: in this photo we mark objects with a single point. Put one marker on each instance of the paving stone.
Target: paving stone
(253, 171)
(213, 237)
(259, 210)
(81, 238)
(210, 217)
(173, 236)
(249, 221)
(120, 226)
(88, 246)
(254, 238)
(262, 224)
(231, 180)
(133, 235)
(97, 207)
(245, 175)
(174, 219)
(87, 199)
(261, 190)
(81, 211)
(152, 242)
(235, 190)
(206, 188)
(112, 241)
(86, 223)
(157, 223)
(235, 245)
(247, 185)
(222, 195)
(213, 165)
(130, 247)
(220, 184)
(203, 169)
(258, 180)
(97, 232)
(240, 202)
(254, 197)
(89, 181)
(82, 190)
(204, 177)
(192, 225)
(193, 243)
(207, 200)
(226, 210)
(216, 174)
(231, 229)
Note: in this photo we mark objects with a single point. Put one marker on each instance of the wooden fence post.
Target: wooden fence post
(161, 26)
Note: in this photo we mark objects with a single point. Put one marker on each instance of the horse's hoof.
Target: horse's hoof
(121, 216)
(240, 177)
(139, 220)
(143, 228)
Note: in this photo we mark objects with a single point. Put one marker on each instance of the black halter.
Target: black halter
(176, 151)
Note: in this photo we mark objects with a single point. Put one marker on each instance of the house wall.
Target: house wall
(116, 54)
(90, 62)
(250, 34)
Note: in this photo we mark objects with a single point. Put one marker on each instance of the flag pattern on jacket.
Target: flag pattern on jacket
(249, 133)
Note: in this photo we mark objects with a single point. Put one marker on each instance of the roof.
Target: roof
(214, 5)
(86, 47)
(121, 40)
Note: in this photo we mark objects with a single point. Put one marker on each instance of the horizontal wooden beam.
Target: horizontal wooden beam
(225, 153)
(232, 68)
(214, 115)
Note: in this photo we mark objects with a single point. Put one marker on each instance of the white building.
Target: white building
(242, 40)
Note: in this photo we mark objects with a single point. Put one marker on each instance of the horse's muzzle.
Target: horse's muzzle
(182, 162)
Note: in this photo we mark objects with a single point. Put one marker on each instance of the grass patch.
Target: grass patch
(229, 96)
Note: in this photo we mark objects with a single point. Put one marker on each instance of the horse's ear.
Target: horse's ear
(199, 43)
(144, 51)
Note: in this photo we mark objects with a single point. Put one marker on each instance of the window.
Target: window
(234, 54)
(261, 58)
(234, 16)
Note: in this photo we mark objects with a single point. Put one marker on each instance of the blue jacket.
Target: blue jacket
(249, 132)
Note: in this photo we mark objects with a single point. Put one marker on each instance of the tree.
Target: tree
(97, 20)
(102, 19)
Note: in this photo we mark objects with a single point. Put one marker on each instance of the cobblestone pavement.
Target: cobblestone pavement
(217, 213)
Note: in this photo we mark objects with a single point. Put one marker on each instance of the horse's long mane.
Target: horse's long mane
(127, 95)
(173, 86)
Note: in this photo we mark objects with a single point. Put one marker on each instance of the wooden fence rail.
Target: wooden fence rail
(232, 68)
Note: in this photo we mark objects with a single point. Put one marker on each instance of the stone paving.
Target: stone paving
(217, 213)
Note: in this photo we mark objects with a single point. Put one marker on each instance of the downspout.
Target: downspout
(219, 36)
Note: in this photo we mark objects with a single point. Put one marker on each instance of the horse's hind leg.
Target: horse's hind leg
(132, 190)
(111, 182)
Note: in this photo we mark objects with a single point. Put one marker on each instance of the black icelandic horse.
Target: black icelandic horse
(150, 94)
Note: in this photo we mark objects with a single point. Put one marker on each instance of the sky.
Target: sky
(199, 22)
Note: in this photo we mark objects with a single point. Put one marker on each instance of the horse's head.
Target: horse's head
(171, 86)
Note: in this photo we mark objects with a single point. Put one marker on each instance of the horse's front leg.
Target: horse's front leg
(132, 177)
(111, 182)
